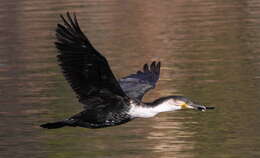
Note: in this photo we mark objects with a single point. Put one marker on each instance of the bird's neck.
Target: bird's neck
(146, 110)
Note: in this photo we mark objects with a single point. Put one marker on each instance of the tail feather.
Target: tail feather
(54, 125)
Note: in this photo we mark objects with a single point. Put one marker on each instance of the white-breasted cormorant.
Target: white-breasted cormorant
(107, 101)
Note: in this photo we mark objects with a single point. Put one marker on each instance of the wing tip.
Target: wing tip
(70, 27)
(69, 33)
(154, 67)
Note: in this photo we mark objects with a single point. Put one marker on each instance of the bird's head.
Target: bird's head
(179, 102)
(186, 103)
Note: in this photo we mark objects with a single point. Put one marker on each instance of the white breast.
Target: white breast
(146, 111)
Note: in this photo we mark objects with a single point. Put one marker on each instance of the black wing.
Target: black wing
(86, 70)
(136, 85)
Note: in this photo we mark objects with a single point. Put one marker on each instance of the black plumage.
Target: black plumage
(89, 75)
(86, 70)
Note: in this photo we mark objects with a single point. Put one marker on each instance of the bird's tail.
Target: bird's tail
(54, 125)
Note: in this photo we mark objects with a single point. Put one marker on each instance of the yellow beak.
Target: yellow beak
(186, 106)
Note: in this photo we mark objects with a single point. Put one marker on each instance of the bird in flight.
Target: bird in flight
(107, 101)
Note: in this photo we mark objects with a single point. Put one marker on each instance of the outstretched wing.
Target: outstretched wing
(136, 85)
(86, 70)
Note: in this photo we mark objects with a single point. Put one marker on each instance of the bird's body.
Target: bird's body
(107, 101)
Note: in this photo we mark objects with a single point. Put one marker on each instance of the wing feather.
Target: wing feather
(85, 69)
(136, 85)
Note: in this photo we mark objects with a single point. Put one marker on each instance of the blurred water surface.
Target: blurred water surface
(209, 52)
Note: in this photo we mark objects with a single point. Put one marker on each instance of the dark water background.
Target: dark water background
(209, 50)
